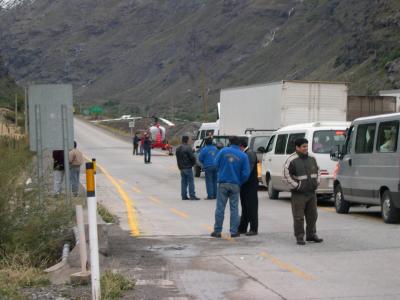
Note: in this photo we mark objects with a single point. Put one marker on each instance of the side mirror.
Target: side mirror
(335, 154)
(261, 149)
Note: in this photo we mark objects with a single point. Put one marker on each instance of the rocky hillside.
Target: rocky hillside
(155, 56)
(8, 88)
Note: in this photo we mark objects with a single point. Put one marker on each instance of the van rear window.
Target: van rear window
(324, 141)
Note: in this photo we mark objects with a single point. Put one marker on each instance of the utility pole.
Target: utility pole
(26, 110)
(204, 93)
(16, 112)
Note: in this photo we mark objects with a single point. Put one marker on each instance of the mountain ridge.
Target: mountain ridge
(157, 57)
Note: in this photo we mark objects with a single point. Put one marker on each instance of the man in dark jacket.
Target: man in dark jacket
(136, 141)
(147, 148)
(233, 171)
(58, 171)
(206, 157)
(248, 194)
(301, 173)
(186, 160)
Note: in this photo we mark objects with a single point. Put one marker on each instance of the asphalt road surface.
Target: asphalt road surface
(359, 258)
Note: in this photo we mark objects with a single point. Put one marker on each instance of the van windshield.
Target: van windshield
(204, 133)
(324, 141)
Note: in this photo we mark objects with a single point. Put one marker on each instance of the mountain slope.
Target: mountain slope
(153, 56)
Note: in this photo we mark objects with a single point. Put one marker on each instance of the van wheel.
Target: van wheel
(342, 206)
(272, 193)
(197, 171)
(390, 213)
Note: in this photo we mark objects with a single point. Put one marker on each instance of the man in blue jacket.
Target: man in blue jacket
(233, 170)
(206, 157)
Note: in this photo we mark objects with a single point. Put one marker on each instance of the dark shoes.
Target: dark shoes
(250, 233)
(314, 239)
(235, 235)
(192, 198)
(216, 234)
(209, 198)
(300, 242)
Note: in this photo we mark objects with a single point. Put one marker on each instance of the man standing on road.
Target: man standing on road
(136, 141)
(186, 160)
(206, 157)
(233, 171)
(248, 194)
(58, 171)
(301, 172)
(147, 148)
(75, 160)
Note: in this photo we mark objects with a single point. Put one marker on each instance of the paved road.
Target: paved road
(359, 258)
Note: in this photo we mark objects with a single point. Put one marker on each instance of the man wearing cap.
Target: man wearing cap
(206, 157)
(301, 173)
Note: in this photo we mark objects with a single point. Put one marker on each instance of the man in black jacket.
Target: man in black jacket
(301, 173)
(186, 160)
(248, 194)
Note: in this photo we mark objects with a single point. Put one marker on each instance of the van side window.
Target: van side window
(281, 144)
(365, 138)
(387, 136)
(349, 140)
(271, 144)
(290, 145)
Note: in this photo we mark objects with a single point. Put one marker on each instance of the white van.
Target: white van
(368, 169)
(206, 129)
(323, 138)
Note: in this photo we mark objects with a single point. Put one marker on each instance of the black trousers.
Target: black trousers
(135, 149)
(249, 202)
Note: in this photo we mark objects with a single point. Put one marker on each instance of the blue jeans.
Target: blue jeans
(187, 180)
(227, 191)
(74, 178)
(211, 182)
(147, 155)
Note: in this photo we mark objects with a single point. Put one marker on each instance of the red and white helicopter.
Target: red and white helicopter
(158, 133)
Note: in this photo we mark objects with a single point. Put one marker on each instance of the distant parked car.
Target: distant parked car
(368, 168)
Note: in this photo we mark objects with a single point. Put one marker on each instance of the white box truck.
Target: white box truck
(274, 105)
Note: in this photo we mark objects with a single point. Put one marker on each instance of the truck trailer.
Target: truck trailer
(274, 105)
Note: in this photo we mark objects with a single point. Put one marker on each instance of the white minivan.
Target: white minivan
(323, 138)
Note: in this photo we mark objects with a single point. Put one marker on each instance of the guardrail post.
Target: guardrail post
(93, 237)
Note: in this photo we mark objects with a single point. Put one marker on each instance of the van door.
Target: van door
(277, 160)
(364, 188)
(346, 172)
(265, 167)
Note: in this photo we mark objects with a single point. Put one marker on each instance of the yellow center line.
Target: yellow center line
(154, 199)
(179, 213)
(122, 182)
(287, 267)
(136, 189)
(132, 219)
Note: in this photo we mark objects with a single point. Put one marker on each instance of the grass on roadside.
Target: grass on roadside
(31, 233)
(105, 214)
(113, 285)
(16, 271)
